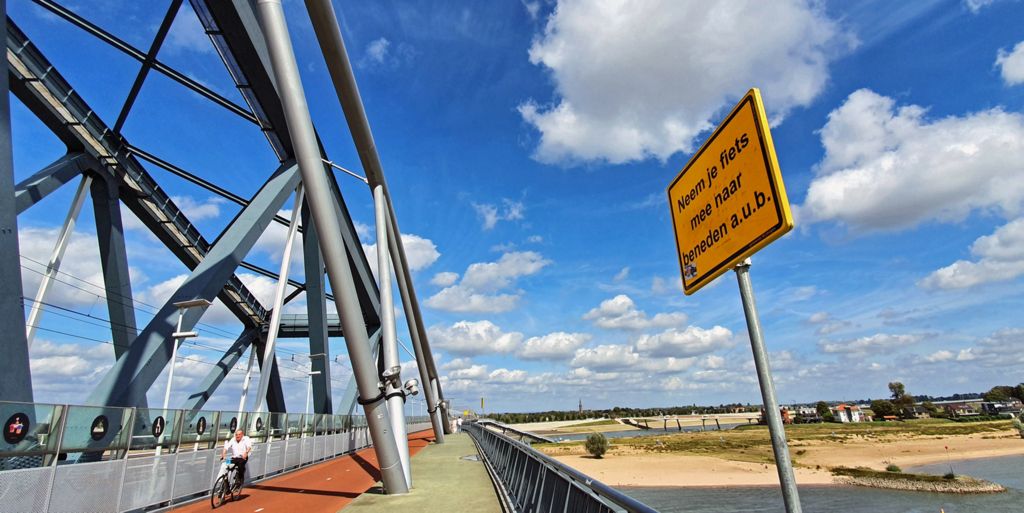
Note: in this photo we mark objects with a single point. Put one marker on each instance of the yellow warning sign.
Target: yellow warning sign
(729, 200)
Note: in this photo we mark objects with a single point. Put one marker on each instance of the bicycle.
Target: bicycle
(227, 486)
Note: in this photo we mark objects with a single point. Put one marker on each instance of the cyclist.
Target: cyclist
(240, 447)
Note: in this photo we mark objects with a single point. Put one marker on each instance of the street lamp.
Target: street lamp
(309, 387)
(309, 376)
(179, 336)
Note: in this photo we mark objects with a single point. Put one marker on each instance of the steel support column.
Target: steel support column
(15, 376)
(325, 24)
(275, 393)
(114, 261)
(324, 213)
(316, 308)
(275, 310)
(389, 341)
(137, 369)
(38, 186)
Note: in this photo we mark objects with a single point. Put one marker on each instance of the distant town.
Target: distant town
(999, 402)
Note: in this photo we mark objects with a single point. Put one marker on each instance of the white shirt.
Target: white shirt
(238, 448)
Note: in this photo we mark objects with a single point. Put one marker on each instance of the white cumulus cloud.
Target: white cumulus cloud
(870, 344)
(641, 79)
(1011, 64)
(1000, 257)
(490, 214)
(481, 289)
(692, 341)
(606, 357)
(888, 168)
(377, 50)
(506, 376)
(620, 312)
(420, 252)
(445, 279)
(474, 338)
(553, 346)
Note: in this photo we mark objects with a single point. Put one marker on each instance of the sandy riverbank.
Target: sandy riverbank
(629, 467)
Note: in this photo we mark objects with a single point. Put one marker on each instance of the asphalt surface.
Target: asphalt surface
(327, 487)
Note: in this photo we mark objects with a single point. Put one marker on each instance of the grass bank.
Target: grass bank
(753, 444)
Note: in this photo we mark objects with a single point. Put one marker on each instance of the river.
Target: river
(1007, 471)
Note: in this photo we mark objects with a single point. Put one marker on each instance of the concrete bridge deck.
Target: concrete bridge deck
(446, 477)
(442, 481)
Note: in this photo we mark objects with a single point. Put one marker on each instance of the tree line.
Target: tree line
(897, 404)
(620, 412)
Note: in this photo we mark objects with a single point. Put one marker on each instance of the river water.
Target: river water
(1007, 471)
(639, 433)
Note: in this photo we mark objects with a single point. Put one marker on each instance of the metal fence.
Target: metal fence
(532, 482)
(109, 459)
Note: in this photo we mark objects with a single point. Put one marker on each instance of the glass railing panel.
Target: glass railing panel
(230, 421)
(295, 424)
(31, 434)
(155, 431)
(277, 426)
(199, 430)
(95, 433)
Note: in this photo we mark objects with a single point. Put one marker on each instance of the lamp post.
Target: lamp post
(309, 377)
(309, 387)
(178, 336)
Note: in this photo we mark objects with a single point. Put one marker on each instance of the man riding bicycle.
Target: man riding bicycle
(240, 446)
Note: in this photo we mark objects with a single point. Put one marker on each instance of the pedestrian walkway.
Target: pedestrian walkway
(327, 487)
(447, 477)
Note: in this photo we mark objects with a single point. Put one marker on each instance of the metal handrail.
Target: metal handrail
(534, 482)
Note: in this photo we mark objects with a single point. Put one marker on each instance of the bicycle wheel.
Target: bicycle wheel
(220, 492)
(236, 489)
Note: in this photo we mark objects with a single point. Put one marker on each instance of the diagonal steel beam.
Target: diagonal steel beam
(328, 33)
(138, 55)
(45, 92)
(33, 189)
(147, 64)
(213, 379)
(137, 369)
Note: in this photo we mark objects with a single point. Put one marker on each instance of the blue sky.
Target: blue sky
(528, 146)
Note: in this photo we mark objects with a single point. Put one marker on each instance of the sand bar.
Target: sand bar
(639, 468)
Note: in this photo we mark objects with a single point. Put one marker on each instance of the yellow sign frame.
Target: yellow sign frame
(724, 250)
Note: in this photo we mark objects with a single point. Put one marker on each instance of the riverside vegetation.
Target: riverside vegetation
(896, 480)
(811, 446)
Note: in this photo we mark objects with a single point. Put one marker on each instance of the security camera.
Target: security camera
(412, 386)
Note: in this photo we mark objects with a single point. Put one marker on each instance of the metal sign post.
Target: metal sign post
(728, 203)
(783, 464)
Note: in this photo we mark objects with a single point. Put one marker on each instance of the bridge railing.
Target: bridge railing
(533, 482)
(110, 459)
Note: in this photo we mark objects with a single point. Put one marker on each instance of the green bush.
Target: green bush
(983, 418)
(597, 445)
(893, 468)
(949, 475)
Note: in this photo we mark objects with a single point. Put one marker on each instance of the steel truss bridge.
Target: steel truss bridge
(117, 452)
(251, 38)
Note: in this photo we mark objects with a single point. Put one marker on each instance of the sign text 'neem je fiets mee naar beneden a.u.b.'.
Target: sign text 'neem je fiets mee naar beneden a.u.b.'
(729, 200)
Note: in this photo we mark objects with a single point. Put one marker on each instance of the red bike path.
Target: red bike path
(328, 486)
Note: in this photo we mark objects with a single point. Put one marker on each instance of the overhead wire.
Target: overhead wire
(50, 308)
(134, 303)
